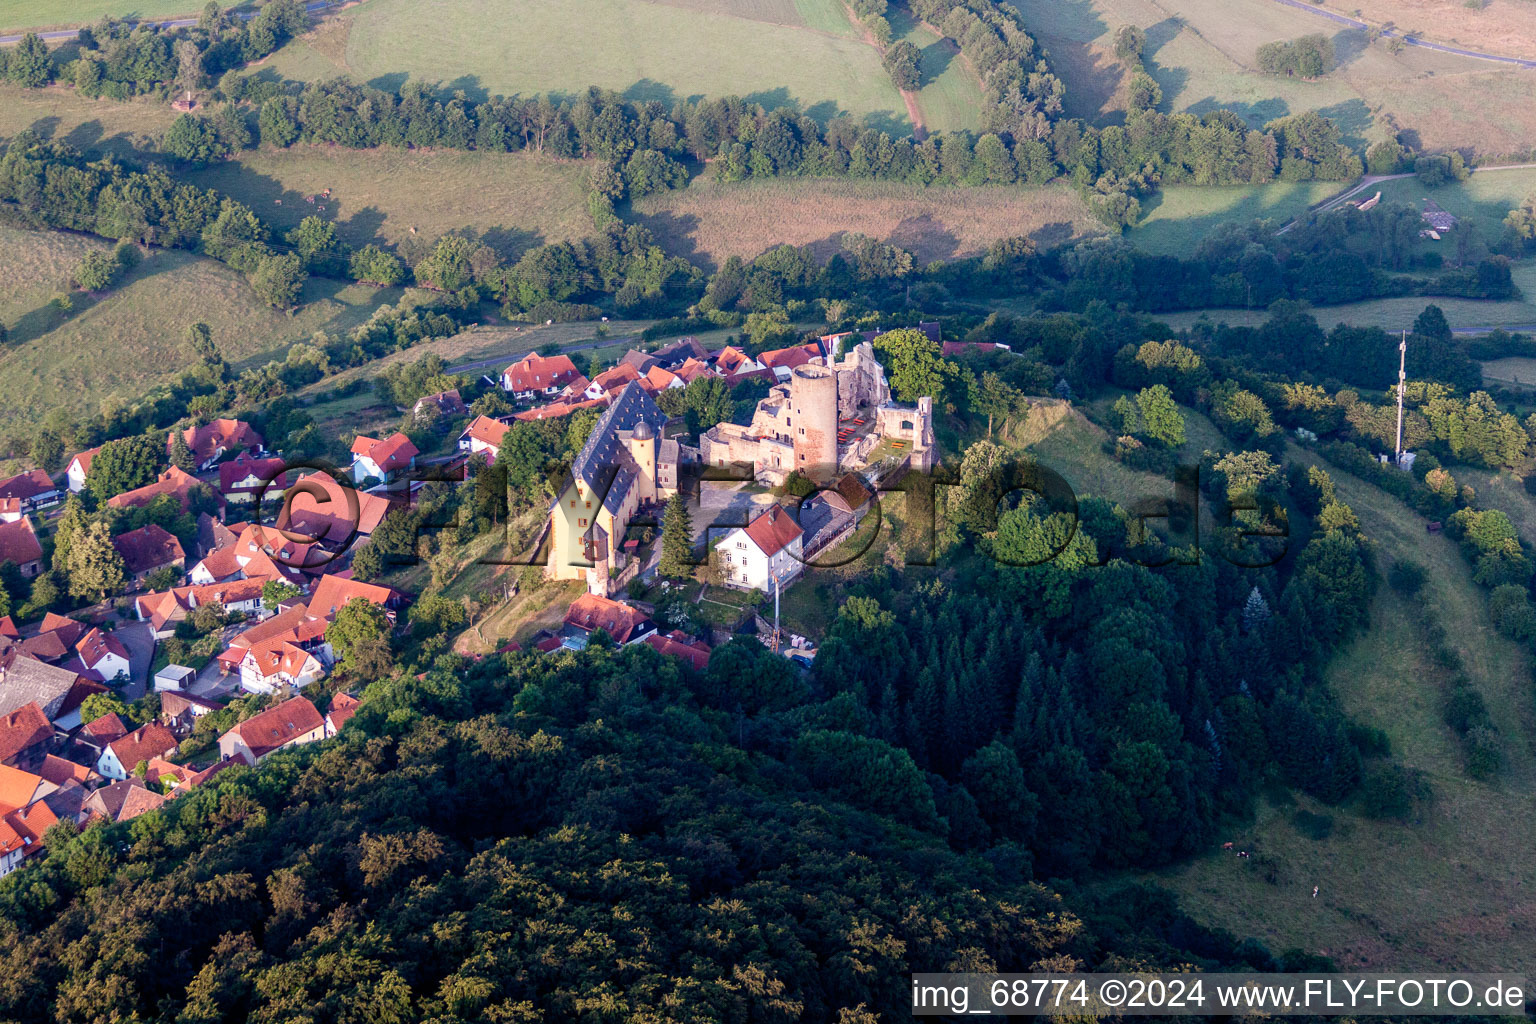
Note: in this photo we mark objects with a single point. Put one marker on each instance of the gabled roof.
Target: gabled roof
(695, 368)
(616, 378)
(96, 645)
(24, 680)
(294, 624)
(535, 372)
(319, 507)
(791, 357)
(18, 542)
(279, 657)
(28, 825)
(678, 644)
(8, 630)
(59, 771)
(122, 801)
(147, 741)
(174, 702)
(25, 727)
(772, 530)
(105, 729)
(680, 350)
(209, 439)
(852, 490)
(487, 430)
(343, 707)
(27, 485)
(271, 474)
(84, 459)
(278, 726)
(732, 359)
(390, 454)
(592, 611)
(658, 379)
(639, 360)
(333, 592)
(554, 410)
(148, 547)
(173, 482)
(448, 402)
(17, 788)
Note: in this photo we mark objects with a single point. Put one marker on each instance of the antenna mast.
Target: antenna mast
(1402, 381)
(776, 633)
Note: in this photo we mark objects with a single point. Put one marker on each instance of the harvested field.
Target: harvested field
(710, 222)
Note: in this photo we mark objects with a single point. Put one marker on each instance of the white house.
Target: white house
(375, 459)
(79, 466)
(119, 757)
(538, 375)
(103, 656)
(270, 666)
(769, 547)
(483, 436)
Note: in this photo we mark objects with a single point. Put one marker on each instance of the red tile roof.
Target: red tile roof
(731, 359)
(677, 644)
(148, 547)
(173, 482)
(8, 628)
(271, 475)
(24, 828)
(535, 372)
(591, 611)
(23, 728)
(319, 507)
(487, 430)
(343, 707)
(143, 743)
(789, 358)
(772, 530)
(211, 438)
(59, 771)
(96, 645)
(610, 382)
(84, 458)
(27, 485)
(18, 542)
(105, 729)
(554, 410)
(333, 592)
(17, 788)
(391, 454)
(276, 726)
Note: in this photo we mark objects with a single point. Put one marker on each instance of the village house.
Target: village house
(446, 403)
(322, 510)
(591, 612)
(287, 649)
(245, 478)
(214, 440)
(342, 707)
(25, 736)
(173, 482)
(535, 375)
(19, 544)
(766, 550)
(98, 732)
(163, 609)
(560, 407)
(333, 592)
(146, 549)
(258, 553)
(382, 460)
(122, 755)
(176, 779)
(103, 657)
(78, 469)
(179, 710)
(293, 722)
(24, 816)
(120, 801)
(34, 489)
(680, 645)
(483, 437)
(25, 680)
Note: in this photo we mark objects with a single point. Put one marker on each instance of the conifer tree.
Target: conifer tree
(676, 539)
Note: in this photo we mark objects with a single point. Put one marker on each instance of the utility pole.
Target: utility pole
(776, 633)
(1402, 382)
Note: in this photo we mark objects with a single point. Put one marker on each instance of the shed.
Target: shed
(175, 677)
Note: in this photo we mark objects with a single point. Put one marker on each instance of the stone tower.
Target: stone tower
(813, 420)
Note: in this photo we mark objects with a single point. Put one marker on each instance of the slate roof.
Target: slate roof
(24, 680)
(602, 458)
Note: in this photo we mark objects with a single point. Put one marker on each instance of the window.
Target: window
(573, 503)
(802, 431)
(583, 522)
(741, 545)
(589, 504)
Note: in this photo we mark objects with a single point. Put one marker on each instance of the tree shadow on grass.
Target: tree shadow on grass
(1255, 115)
(1354, 119)
(926, 237)
(1348, 45)
(677, 234)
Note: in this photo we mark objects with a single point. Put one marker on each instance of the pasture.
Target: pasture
(709, 221)
(801, 53)
(1176, 218)
(1392, 314)
(1501, 26)
(113, 348)
(1450, 890)
(1201, 53)
(950, 98)
(1482, 200)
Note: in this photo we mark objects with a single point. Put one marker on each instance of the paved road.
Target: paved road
(1338, 198)
(1408, 39)
(313, 8)
(139, 638)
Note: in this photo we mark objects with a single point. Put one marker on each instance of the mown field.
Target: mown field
(27, 14)
(1451, 890)
(779, 52)
(950, 97)
(710, 221)
(1202, 54)
(1482, 200)
(1175, 219)
(113, 348)
(1500, 26)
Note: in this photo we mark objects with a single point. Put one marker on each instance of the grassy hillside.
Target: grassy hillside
(115, 347)
(1482, 200)
(25, 14)
(1202, 54)
(1176, 218)
(1451, 890)
(797, 52)
(950, 97)
(711, 221)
